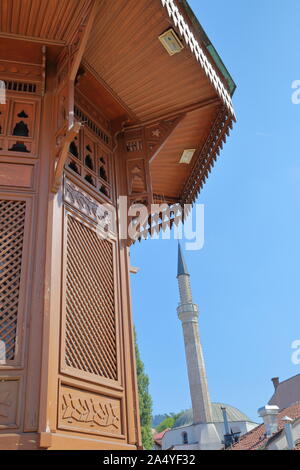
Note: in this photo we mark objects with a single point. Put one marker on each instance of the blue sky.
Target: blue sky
(246, 278)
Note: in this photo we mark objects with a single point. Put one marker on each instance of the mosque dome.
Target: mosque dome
(233, 414)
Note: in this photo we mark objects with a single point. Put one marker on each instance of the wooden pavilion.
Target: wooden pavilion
(99, 99)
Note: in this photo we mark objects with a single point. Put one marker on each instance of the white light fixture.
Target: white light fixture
(171, 42)
(187, 156)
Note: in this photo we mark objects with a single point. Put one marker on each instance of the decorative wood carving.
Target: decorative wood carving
(19, 123)
(157, 134)
(88, 412)
(80, 39)
(91, 162)
(207, 155)
(12, 218)
(95, 128)
(93, 114)
(141, 146)
(12, 71)
(64, 144)
(90, 311)
(69, 63)
(136, 176)
(166, 216)
(9, 397)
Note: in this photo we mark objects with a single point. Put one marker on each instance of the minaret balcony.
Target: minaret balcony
(188, 312)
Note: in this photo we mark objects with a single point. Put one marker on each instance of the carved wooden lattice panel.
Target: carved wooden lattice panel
(90, 308)
(12, 220)
(19, 125)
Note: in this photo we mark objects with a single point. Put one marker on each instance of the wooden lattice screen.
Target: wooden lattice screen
(12, 221)
(90, 343)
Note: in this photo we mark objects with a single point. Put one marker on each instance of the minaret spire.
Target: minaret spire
(188, 314)
(182, 267)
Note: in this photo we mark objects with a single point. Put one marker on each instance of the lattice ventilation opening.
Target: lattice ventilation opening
(12, 222)
(90, 343)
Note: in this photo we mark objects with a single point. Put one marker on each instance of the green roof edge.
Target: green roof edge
(210, 48)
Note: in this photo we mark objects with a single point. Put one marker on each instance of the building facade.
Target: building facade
(286, 392)
(280, 430)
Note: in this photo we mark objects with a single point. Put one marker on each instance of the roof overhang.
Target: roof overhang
(124, 53)
(129, 73)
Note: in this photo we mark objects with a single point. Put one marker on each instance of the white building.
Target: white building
(207, 425)
(205, 436)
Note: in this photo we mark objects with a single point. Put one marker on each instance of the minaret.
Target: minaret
(188, 314)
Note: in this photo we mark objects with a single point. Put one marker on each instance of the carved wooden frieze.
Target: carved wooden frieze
(93, 112)
(9, 391)
(21, 71)
(102, 214)
(141, 145)
(88, 412)
(136, 176)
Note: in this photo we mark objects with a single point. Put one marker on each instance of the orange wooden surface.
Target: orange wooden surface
(69, 378)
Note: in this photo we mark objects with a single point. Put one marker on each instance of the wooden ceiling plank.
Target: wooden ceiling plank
(9, 13)
(35, 5)
(40, 17)
(4, 13)
(131, 59)
(111, 23)
(78, 18)
(34, 10)
(64, 20)
(132, 50)
(146, 80)
(120, 22)
(15, 17)
(26, 8)
(158, 98)
(191, 108)
(129, 111)
(48, 18)
(54, 26)
(118, 27)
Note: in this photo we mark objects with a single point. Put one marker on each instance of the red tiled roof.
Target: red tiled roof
(256, 438)
(158, 437)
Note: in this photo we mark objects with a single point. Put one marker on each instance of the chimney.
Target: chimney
(289, 432)
(275, 381)
(269, 413)
(228, 436)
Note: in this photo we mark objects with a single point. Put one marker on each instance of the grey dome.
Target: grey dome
(233, 414)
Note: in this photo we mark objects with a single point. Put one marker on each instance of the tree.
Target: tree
(165, 424)
(168, 422)
(157, 419)
(145, 400)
